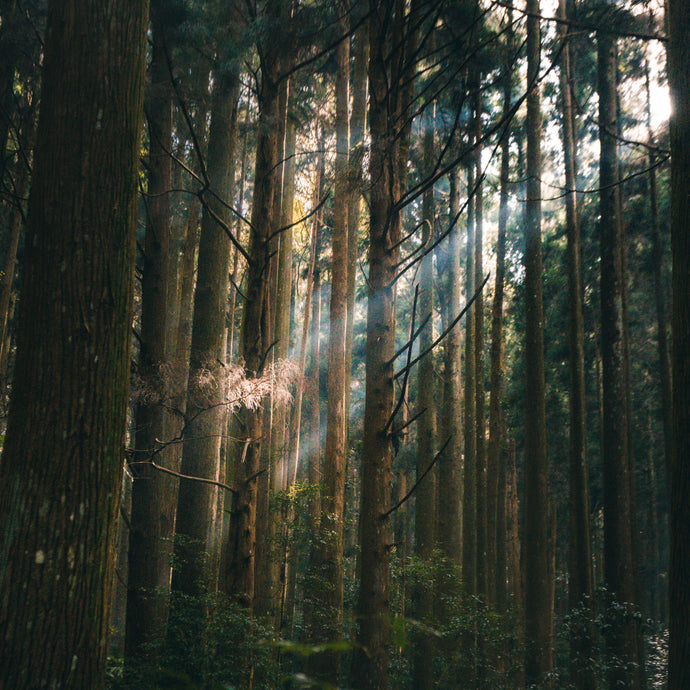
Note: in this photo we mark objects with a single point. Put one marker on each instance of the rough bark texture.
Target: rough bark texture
(154, 494)
(679, 573)
(580, 584)
(538, 612)
(618, 544)
(61, 467)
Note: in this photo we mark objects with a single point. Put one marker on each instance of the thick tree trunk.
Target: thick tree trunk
(618, 544)
(205, 412)
(154, 494)
(384, 233)
(580, 584)
(679, 572)
(62, 461)
(538, 611)
(254, 346)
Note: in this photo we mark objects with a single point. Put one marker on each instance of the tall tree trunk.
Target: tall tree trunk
(496, 540)
(580, 584)
(479, 373)
(618, 546)
(425, 503)
(358, 118)
(254, 346)
(469, 504)
(61, 465)
(450, 463)
(154, 494)
(328, 561)
(679, 570)
(659, 298)
(205, 412)
(384, 233)
(538, 610)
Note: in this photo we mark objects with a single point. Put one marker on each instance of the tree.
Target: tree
(61, 487)
(580, 554)
(618, 539)
(154, 494)
(538, 611)
(679, 572)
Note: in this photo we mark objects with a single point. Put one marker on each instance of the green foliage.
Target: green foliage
(232, 649)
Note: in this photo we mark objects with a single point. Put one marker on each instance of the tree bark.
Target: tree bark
(425, 501)
(254, 347)
(580, 582)
(328, 561)
(538, 611)
(496, 538)
(618, 544)
(154, 494)
(469, 504)
(450, 498)
(205, 412)
(679, 571)
(62, 462)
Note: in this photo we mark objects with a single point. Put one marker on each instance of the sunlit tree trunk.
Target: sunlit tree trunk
(328, 561)
(61, 466)
(538, 611)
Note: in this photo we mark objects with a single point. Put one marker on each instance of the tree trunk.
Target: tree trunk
(328, 561)
(618, 545)
(384, 233)
(62, 462)
(469, 505)
(479, 373)
(425, 502)
(254, 347)
(580, 584)
(538, 616)
(358, 118)
(679, 571)
(154, 494)
(450, 499)
(205, 412)
(496, 542)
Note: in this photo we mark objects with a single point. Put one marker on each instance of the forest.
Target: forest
(344, 344)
